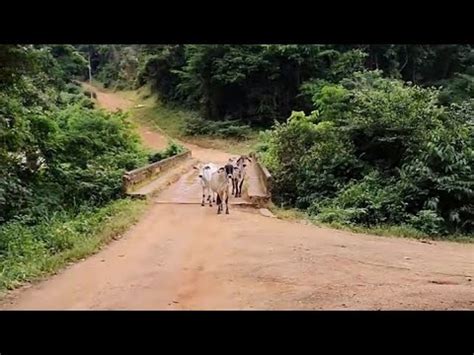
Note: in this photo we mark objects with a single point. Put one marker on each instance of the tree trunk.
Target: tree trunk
(406, 60)
(90, 73)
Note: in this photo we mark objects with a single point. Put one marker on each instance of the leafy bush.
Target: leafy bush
(160, 71)
(369, 201)
(428, 221)
(377, 151)
(70, 156)
(308, 160)
(224, 129)
(72, 88)
(171, 150)
(60, 162)
(458, 89)
(66, 98)
(29, 251)
(340, 215)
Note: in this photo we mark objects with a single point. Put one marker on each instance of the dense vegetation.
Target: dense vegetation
(258, 84)
(377, 134)
(57, 151)
(377, 151)
(61, 160)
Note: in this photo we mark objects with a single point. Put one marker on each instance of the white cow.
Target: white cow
(220, 185)
(205, 174)
(239, 174)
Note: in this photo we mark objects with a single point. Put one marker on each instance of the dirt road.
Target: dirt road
(186, 257)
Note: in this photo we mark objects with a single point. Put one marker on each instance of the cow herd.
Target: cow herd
(216, 181)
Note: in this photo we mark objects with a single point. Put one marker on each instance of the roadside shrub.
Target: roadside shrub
(223, 129)
(28, 251)
(340, 215)
(68, 157)
(72, 88)
(376, 151)
(171, 150)
(428, 221)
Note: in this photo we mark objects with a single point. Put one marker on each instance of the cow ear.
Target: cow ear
(221, 170)
(195, 167)
(245, 165)
(250, 160)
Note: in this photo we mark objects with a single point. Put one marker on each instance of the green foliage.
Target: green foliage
(73, 156)
(440, 176)
(171, 150)
(61, 164)
(223, 129)
(370, 201)
(258, 84)
(56, 152)
(308, 160)
(457, 89)
(428, 221)
(28, 252)
(71, 63)
(115, 66)
(159, 70)
(16, 61)
(338, 215)
(376, 152)
(252, 83)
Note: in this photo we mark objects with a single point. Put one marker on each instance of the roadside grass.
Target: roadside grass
(30, 253)
(292, 214)
(171, 121)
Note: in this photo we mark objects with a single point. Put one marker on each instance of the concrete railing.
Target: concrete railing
(138, 177)
(263, 175)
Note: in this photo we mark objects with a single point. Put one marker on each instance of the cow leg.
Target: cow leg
(219, 204)
(203, 196)
(226, 203)
(240, 188)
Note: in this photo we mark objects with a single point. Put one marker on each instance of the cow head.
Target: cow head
(224, 170)
(200, 169)
(242, 159)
